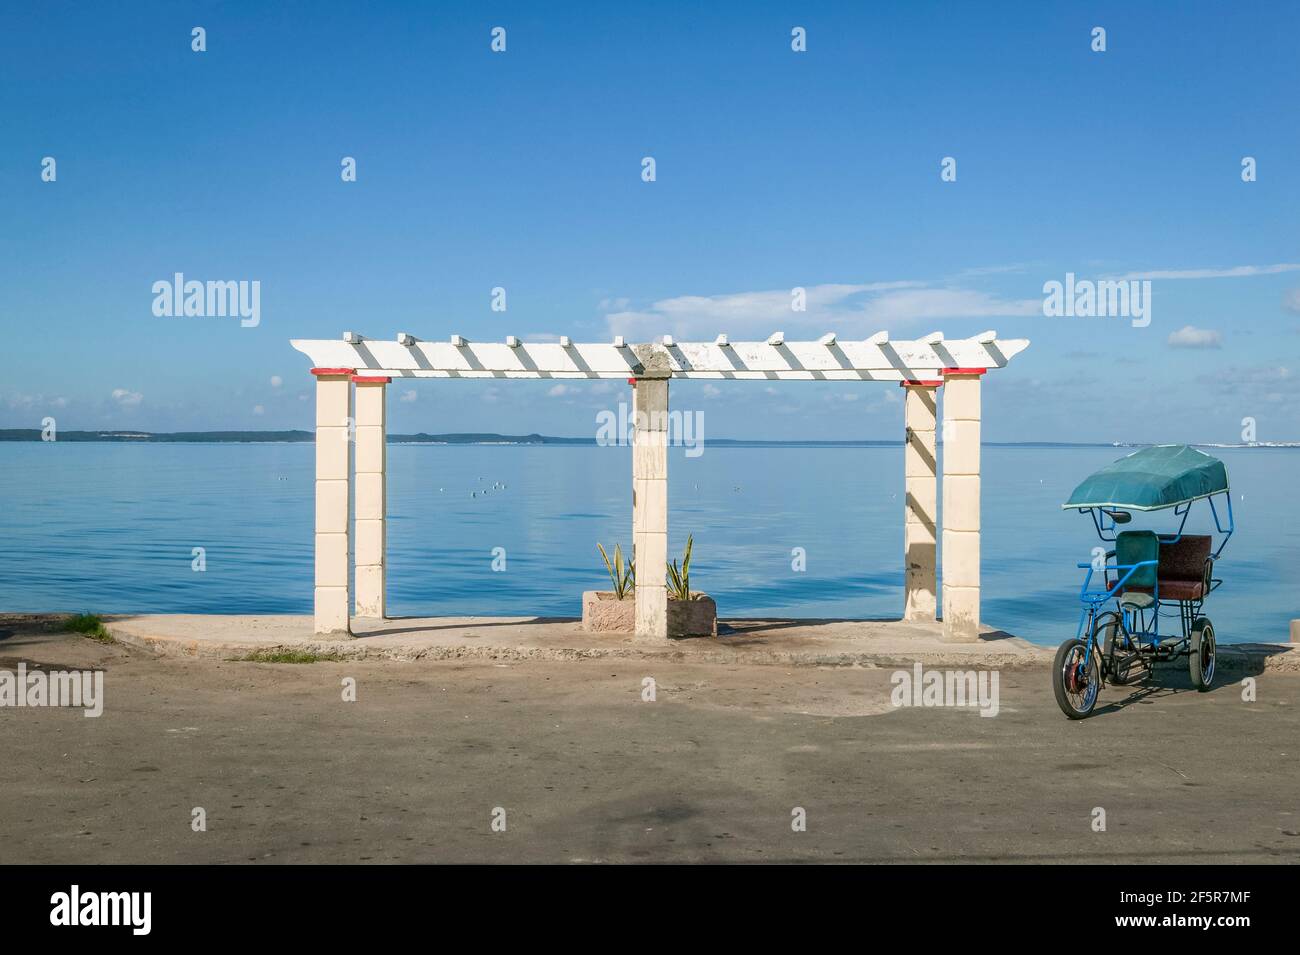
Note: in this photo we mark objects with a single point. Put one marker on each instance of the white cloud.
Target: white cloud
(711, 391)
(1239, 271)
(409, 395)
(847, 309)
(276, 381)
(993, 270)
(1291, 300)
(895, 308)
(258, 410)
(127, 399)
(558, 391)
(24, 402)
(1191, 337)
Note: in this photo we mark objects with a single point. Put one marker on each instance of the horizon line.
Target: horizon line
(304, 436)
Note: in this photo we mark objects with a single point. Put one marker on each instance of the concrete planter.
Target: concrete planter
(603, 613)
(693, 618)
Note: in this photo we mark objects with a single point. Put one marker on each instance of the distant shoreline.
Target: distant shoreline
(525, 440)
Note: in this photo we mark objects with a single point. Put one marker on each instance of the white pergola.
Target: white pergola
(352, 375)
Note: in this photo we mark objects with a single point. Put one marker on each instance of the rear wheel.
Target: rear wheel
(1076, 685)
(1200, 654)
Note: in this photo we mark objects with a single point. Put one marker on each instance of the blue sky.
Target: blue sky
(775, 169)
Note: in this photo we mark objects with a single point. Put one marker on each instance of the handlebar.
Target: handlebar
(1089, 596)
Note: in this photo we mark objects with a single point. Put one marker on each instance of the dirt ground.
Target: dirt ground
(714, 769)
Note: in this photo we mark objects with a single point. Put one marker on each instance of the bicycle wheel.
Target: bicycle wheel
(1075, 683)
(1200, 654)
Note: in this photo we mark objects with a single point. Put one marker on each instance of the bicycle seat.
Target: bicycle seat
(1135, 548)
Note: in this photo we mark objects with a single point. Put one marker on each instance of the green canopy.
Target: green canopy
(1152, 478)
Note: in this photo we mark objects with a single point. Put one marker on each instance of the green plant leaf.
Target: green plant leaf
(686, 567)
(622, 583)
(608, 566)
(679, 578)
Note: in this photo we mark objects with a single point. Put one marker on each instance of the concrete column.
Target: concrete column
(650, 505)
(371, 494)
(920, 487)
(961, 503)
(333, 486)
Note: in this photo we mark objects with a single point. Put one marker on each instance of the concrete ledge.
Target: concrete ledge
(833, 643)
(1247, 658)
(866, 643)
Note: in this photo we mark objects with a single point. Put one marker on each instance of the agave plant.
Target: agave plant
(624, 582)
(679, 581)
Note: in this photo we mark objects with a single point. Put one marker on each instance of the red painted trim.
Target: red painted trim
(964, 371)
(333, 371)
(371, 379)
(632, 382)
(919, 383)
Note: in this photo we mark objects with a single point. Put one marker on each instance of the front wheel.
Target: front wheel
(1074, 682)
(1200, 654)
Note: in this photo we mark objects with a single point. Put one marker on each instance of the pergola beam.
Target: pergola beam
(828, 359)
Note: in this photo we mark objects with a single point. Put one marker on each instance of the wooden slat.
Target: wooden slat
(791, 360)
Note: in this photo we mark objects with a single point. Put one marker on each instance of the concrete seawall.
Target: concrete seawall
(765, 642)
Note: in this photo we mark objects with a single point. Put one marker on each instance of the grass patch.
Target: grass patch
(289, 656)
(89, 625)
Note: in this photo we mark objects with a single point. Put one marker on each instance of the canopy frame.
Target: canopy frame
(1103, 512)
(1147, 473)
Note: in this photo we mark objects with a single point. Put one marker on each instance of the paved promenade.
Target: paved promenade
(586, 769)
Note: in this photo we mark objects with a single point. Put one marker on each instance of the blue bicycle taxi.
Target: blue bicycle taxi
(1147, 577)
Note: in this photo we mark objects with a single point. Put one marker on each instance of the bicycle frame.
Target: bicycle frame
(1132, 620)
(1093, 599)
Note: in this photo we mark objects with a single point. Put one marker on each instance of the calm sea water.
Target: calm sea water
(111, 528)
